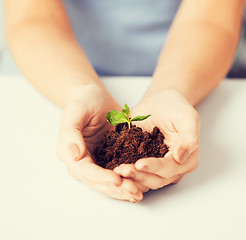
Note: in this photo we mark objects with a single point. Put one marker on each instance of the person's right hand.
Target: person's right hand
(82, 127)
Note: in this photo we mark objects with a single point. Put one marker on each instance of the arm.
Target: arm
(198, 53)
(200, 48)
(45, 49)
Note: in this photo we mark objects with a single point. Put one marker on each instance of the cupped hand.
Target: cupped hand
(180, 124)
(82, 126)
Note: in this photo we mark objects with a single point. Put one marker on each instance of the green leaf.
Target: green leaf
(116, 117)
(126, 110)
(139, 118)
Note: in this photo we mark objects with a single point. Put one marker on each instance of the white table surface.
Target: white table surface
(39, 200)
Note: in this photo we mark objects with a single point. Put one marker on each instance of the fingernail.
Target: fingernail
(132, 200)
(182, 154)
(74, 151)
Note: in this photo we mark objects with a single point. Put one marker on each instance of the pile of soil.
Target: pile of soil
(124, 145)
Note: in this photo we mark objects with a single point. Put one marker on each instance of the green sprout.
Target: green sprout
(116, 117)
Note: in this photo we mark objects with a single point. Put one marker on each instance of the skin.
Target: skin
(181, 133)
(198, 53)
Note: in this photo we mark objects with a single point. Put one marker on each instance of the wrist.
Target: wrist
(169, 92)
(79, 90)
(181, 84)
(94, 95)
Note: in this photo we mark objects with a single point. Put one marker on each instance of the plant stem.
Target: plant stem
(129, 123)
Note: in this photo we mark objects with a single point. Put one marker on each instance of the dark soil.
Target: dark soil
(124, 145)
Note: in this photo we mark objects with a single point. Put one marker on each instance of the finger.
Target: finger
(142, 188)
(191, 164)
(129, 171)
(170, 181)
(87, 171)
(188, 138)
(134, 194)
(126, 170)
(75, 115)
(184, 147)
(148, 180)
(164, 167)
(138, 197)
(130, 186)
(106, 181)
(128, 190)
(167, 167)
(71, 145)
(178, 178)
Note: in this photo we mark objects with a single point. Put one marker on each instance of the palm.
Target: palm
(94, 132)
(163, 121)
(82, 127)
(173, 114)
(179, 122)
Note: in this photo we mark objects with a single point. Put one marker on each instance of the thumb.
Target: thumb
(76, 148)
(188, 136)
(71, 144)
(186, 144)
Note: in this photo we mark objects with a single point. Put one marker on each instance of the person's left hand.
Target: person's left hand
(180, 124)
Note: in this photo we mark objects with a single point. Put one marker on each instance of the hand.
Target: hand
(83, 125)
(180, 124)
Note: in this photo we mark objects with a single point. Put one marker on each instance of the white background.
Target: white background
(39, 200)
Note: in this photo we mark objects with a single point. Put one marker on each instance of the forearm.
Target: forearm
(197, 55)
(195, 63)
(49, 56)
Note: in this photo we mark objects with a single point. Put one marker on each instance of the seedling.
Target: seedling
(116, 117)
